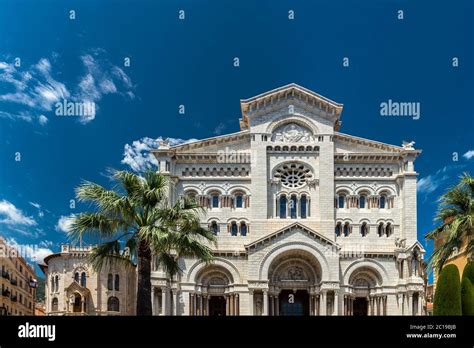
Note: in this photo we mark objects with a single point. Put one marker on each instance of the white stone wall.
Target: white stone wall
(66, 264)
(242, 258)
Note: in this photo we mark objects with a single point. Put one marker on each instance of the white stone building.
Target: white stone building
(72, 287)
(309, 221)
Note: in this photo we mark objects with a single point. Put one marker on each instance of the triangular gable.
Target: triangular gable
(417, 244)
(75, 287)
(209, 144)
(310, 232)
(350, 143)
(289, 92)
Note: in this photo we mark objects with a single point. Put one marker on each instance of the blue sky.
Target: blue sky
(189, 62)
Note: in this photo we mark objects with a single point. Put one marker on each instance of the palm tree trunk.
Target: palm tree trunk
(144, 279)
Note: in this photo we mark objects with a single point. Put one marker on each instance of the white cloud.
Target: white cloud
(14, 216)
(102, 78)
(138, 155)
(42, 119)
(37, 206)
(468, 155)
(33, 252)
(432, 182)
(36, 91)
(64, 223)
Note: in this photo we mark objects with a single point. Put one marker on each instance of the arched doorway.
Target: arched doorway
(217, 306)
(363, 300)
(216, 296)
(77, 305)
(294, 277)
(293, 302)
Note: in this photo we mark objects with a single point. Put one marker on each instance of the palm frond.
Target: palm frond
(108, 255)
(94, 224)
(132, 183)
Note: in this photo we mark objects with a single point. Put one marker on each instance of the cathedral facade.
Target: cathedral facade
(308, 220)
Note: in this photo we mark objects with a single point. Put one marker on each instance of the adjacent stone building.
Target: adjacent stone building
(17, 281)
(74, 288)
(308, 220)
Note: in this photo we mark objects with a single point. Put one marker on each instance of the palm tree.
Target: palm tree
(136, 214)
(456, 214)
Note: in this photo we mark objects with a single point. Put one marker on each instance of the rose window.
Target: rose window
(293, 175)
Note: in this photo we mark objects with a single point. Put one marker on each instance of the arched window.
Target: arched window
(191, 195)
(283, 207)
(303, 202)
(56, 283)
(117, 282)
(347, 230)
(110, 282)
(54, 305)
(380, 230)
(362, 200)
(113, 304)
(76, 277)
(340, 201)
(52, 284)
(83, 279)
(214, 227)
(388, 229)
(293, 204)
(383, 200)
(215, 200)
(338, 229)
(239, 201)
(233, 228)
(364, 229)
(243, 229)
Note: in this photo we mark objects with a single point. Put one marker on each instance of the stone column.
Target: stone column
(274, 205)
(420, 303)
(195, 300)
(277, 307)
(310, 305)
(251, 304)
(163, 301)
(175, 302)
(265, 302)
(227, 305)
(237, 304)
(410, 304)
(323, 303)
(318, 305)
(336, 303)
(201, 305)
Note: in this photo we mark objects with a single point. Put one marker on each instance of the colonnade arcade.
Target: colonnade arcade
(363, 295)
(295, 288)
(214, 294)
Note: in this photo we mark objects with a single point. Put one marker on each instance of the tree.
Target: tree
(456, 215)
(467, 289)
(467, 297)
(469, 272)
(137, 215)
(447, 300)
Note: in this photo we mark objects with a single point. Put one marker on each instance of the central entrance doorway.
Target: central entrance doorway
(294, 303)
(217, 306)
(360, 306)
